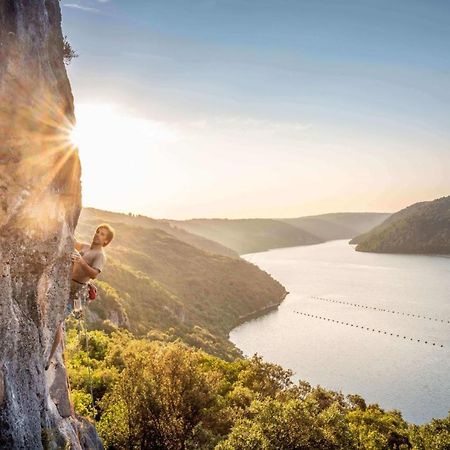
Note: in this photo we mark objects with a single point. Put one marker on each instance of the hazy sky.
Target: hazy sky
(258, 108)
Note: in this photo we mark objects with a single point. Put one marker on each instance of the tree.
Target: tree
(434, 435)
(160, 398)
(68, 52)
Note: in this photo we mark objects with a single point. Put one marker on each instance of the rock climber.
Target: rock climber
(88, 261)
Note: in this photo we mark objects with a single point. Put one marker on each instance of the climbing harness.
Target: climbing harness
(92, 291)
(81, 327)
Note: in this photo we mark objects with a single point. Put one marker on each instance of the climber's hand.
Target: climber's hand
(75, 256)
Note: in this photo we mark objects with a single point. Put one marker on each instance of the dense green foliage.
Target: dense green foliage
(420, 228)
(162, 287)
(151, 395)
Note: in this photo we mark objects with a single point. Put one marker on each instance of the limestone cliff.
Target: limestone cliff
(40, 202)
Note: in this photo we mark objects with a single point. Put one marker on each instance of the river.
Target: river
(338, 325)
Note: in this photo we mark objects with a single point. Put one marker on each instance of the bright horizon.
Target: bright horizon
(225, 110)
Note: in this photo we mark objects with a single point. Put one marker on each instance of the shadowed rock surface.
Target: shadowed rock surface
(40, 202)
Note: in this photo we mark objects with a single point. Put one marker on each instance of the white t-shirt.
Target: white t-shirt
(96, 258)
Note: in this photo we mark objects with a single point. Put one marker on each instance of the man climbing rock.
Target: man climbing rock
(88, 261)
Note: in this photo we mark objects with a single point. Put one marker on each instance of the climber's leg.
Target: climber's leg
(56, 341)
(60, 329)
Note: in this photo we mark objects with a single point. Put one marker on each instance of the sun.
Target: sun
(107, 126)
(123, 156)
(74, 136)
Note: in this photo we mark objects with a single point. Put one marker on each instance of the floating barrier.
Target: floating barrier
(380, 309)
(362, 327)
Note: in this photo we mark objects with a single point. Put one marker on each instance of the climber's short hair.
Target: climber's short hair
(111, 232)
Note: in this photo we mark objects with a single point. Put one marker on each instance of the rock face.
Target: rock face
(40, 202)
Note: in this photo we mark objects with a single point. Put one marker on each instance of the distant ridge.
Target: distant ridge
(249, 235)
(162, 224)
(256, 235)
(420, 228)
(234, 237)
(333, 226)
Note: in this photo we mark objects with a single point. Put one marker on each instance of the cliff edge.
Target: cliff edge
(40, 202)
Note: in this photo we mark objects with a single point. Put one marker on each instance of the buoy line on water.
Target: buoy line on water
(330, 300)
(341, 322)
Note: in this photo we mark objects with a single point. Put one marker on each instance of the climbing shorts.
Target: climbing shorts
(78, 296)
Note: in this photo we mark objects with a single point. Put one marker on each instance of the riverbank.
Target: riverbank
(363, 286)
(260, 312)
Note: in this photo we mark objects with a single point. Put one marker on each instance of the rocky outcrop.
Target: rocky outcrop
(40, 202)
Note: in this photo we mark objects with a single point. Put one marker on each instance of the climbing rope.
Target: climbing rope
(362, 327)
(379, 309)
(82, 327)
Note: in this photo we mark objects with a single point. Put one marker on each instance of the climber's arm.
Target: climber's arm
(91, 272)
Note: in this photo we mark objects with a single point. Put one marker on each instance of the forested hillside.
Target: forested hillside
(159, 286)
(420, 228)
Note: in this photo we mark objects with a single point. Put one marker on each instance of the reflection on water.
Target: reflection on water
(375, 291)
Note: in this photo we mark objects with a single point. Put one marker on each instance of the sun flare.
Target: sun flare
(105, 126)
(121, 154)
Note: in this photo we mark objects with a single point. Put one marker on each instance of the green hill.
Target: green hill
(420, 228)
(159, 286)
(332, 226)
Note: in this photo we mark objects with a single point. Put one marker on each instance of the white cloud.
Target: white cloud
(250, 123)
(80, 7)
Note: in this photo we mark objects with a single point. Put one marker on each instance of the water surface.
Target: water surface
(395, 372)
